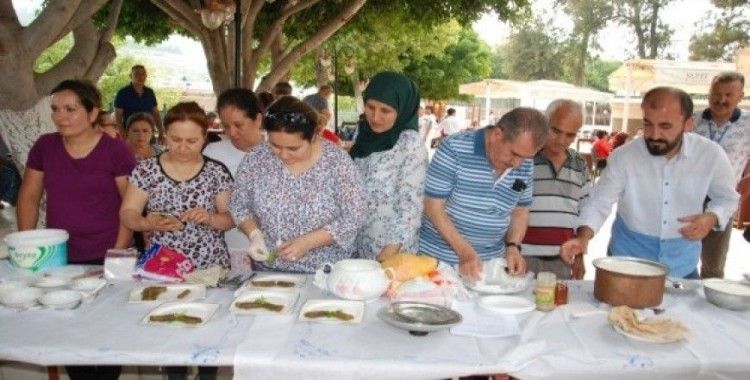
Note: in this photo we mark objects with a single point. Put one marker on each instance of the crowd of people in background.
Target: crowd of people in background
(277, 190)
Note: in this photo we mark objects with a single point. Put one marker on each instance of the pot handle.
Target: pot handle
(321, 276)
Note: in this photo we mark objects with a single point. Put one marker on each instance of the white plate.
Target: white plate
(88, 284)
(298, 281)
(652, 339)
(204, 311)
(286, 299)
(506, 304)
(197, 292)
(355, 308)
(51, 282)
(61, 299)
(481, 287)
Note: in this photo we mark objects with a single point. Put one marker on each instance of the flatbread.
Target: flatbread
(654, 329)
(209, 276)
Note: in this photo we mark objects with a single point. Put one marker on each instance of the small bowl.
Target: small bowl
(88, 284)
(732, 295)
(20, 297)
(61, 299)
(51, 282)
(12, 284)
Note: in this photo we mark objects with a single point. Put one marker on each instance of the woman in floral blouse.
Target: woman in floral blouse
(184, 184)
(303, 193)
(392, 159)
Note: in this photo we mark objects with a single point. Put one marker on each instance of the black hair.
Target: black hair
(141, 116)
(290, 115)
(85, 91)
(282, 88)
(686, 103)
(242, 99)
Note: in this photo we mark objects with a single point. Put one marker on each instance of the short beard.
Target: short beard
(656, 150)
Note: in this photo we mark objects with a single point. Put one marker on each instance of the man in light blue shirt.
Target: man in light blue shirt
(659, 183)
(477, 193)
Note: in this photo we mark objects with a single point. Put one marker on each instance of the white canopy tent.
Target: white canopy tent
(536, 94)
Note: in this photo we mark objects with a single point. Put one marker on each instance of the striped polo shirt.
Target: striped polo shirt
(554, 209)
(478, 202)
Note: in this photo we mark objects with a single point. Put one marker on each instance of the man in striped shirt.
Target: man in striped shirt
(478, 190)
(561, 180)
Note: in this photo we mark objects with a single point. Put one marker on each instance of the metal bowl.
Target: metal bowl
(732, 295)
(419, 318)
(631, 281)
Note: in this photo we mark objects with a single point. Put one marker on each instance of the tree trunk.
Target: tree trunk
(653, 37)
(20, 129)
(580, 74)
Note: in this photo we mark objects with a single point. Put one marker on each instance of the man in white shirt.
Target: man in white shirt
(426, 122)
(660, 183)
(450, 123)
(729, 126)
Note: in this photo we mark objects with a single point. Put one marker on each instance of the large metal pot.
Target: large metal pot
(630, 281)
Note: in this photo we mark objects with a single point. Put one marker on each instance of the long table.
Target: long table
(553, 344)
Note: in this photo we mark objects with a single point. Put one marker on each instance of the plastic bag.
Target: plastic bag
(162, 263)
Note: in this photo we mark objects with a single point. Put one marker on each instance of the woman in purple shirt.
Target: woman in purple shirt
(84, 173)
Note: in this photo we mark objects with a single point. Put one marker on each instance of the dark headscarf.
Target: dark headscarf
(399, 92)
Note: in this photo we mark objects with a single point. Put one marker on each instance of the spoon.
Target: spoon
(676, 284)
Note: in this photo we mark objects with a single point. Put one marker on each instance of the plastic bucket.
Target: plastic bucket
(38, 249)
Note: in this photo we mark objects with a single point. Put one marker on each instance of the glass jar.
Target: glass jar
(561, 293)
(544, 294)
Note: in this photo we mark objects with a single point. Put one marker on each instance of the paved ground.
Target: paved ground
(738, 260)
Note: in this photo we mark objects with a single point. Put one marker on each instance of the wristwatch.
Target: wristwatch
(513, 244)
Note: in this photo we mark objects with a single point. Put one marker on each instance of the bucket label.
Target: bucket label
(36, 258)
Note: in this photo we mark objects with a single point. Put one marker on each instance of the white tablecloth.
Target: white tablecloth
(551, 345)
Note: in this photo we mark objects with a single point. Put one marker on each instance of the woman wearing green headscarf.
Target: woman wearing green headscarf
(392, 159)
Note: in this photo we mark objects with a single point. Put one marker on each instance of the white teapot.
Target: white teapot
(354, 279)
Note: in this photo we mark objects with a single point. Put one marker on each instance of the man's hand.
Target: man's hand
(515, 261)
(469, 263)
(697, 226)
(572, 248)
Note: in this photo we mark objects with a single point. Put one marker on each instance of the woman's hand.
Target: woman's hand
(196, 215)
(293, 250)
(159, 221)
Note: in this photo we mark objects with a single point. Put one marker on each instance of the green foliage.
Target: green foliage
(438, 76)
(498, 67)
(386, 43)
(589, 17)
(728, 30)
(597, 73)
(652, 35)
(53, 54)
(533, 51)
(141, 20)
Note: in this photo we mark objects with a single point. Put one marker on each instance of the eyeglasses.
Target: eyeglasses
(287, 117)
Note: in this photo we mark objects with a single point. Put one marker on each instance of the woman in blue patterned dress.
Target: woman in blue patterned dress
(393, 160)
(183, 183)
(298, 194)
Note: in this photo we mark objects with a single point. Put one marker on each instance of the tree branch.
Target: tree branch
(114, 15)
(311, 43)
(278, 25)
(76, 62)
(179, 11)
(250, 13)
(56, 20)
(10, 27)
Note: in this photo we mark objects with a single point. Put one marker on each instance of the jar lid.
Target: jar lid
(546, 278)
